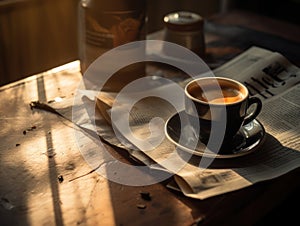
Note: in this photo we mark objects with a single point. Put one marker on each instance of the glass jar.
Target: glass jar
(104, 25)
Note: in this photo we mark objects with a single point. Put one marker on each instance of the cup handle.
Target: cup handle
(254, 113)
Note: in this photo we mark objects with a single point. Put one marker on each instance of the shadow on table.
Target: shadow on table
(244, 204)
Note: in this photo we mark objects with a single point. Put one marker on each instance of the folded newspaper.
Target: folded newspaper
(268, 75)
(275, 135)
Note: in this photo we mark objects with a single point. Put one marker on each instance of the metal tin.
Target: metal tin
(185, 29)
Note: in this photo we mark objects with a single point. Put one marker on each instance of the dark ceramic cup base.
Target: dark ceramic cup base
(227, 146)
(183, 136)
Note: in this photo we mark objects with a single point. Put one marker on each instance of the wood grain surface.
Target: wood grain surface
(46, 181)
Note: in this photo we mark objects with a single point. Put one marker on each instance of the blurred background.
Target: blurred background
(37, 35)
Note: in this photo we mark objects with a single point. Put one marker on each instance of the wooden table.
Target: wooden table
(40, 159)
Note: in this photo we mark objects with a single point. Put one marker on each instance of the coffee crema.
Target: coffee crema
(224, 93)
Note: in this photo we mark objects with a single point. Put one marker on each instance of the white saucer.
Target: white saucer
(249, 138)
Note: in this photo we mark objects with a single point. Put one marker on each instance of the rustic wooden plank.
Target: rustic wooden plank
(39, 167)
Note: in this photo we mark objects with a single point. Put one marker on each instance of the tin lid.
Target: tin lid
(183, 21)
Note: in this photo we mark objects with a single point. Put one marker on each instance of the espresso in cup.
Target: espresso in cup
(211, 93)
(217, 108)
